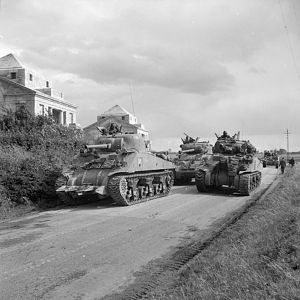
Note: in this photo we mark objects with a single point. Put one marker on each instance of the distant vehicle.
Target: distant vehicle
(189, 158)
(271, 158)
(233, 163)
(120, 166)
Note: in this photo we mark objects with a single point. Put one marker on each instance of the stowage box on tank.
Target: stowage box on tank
(119, 166)
(233, 163)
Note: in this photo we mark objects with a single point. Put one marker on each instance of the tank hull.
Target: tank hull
(270, 159)
(270, 162)
(189, 160)
(240, 174)
(127, 175)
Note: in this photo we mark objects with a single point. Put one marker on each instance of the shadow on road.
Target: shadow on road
(192, 190)
(94, 203)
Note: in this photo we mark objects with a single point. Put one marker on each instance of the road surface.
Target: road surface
(90, 251)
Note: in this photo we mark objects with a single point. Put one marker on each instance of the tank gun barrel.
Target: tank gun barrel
(99, 146)
(188, 150)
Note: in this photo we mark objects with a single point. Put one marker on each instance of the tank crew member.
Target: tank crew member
(103, 131)
(225, 135)
(282, 165)
(292, 161)
(188, 139)
(114, 128)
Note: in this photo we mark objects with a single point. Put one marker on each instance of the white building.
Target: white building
(120, 116)
(23, 88)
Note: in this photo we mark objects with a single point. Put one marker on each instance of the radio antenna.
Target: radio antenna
(130, 87)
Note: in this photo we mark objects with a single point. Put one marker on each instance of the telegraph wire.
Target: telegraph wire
(289, 40)
(296, 20)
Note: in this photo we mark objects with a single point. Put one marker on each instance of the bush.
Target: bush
(33, 151)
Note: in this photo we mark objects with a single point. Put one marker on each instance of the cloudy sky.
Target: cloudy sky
(194, 66)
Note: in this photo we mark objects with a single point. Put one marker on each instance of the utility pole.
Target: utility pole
(287, 143)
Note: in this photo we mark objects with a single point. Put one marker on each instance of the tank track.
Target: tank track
(200, 181)
(128, 190)
(249, 182)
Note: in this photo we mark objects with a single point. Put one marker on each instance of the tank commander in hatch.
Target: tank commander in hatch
(188, 139)
(225, 135)
(114, 128)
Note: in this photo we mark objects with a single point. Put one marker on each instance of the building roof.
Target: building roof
(35, 92)
(9, 61)
(116, 110)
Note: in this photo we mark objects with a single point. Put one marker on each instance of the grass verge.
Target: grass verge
(256, 258)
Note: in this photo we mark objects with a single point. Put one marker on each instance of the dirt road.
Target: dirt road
(93, 250)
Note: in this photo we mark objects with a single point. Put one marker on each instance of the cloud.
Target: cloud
(194, 66)
(257, 71)
(165, 43)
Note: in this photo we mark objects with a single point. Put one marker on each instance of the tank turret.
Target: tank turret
(120, 166)
(233, 163)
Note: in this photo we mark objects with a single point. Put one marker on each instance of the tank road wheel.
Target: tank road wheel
(131, 189)
(200, 181)
(142, 193)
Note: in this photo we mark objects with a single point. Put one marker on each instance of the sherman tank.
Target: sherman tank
(270, 158)
(233, 163)
(120, 166)
(189, 158)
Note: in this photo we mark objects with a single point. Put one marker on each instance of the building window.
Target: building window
(47, 84)
(13, 75)
(30, 77)
(42, 109)
(71, 118)
(64, 118)
(123, 118)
